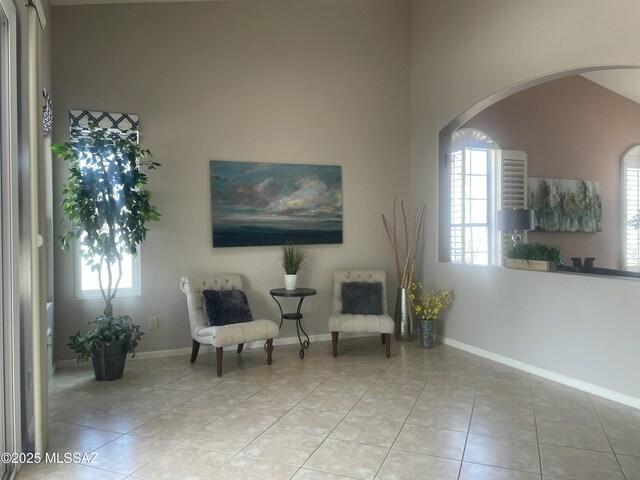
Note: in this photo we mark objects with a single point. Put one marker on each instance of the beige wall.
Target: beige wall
(463, 52)
(571, 128)
(326, 82)
(279, 81)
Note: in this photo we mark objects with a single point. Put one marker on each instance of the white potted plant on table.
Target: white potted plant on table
(292, 259)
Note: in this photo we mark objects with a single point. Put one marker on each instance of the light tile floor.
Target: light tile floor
(441, 414)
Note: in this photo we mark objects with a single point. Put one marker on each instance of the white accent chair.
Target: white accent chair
(339, 322)
(222, 336)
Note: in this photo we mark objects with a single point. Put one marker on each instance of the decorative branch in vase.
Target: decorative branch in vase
(405, 259)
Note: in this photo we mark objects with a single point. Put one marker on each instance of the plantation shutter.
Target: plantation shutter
(513, 187)
(631, 199)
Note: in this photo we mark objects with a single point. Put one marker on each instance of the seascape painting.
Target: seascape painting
(272, 203)
(562, 205)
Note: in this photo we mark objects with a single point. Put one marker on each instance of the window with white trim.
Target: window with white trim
(484, 179)
(86, 282)
(473, 194)
(631, 209)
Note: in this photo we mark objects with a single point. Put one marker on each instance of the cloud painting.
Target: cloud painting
(271, 203)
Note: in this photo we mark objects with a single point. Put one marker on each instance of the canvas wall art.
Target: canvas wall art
(563, 205)
(271, 203)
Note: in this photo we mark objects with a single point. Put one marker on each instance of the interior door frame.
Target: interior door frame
(9, 243)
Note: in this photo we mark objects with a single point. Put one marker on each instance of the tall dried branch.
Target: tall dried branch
(393, 240)
(405, 267)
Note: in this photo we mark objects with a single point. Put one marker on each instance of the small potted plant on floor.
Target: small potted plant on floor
(533, 256)
(292, 258)
(428, 309)
(107, 345)
(108, 207)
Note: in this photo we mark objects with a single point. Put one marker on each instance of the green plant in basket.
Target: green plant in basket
(431, 305)
(534, 251)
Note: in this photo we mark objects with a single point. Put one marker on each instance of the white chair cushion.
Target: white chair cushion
(361, 323)
(237, 333)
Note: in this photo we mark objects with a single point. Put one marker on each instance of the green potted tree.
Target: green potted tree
(533, 256)
(108, 207)
(292, 258)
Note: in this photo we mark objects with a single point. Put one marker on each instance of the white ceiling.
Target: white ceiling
(625, 82)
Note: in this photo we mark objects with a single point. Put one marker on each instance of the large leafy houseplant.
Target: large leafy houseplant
(108, 207)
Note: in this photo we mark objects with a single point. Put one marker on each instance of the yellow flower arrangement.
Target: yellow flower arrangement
(429, 307)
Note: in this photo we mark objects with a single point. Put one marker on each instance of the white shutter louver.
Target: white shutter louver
(513, 165)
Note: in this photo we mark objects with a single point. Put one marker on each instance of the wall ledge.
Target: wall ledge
(548, 374)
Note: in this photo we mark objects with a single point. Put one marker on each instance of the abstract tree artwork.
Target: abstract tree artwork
(563, 205)
(272, 203)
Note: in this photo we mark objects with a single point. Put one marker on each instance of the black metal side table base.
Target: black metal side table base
(301, 293)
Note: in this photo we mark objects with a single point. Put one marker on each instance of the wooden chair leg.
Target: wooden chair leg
(240, 347)
(387, 341)
(269, 350)
(334, 339)
(195, 348)
(382, 337)
(219, 361)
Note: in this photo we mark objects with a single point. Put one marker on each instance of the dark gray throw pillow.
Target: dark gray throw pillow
(225, 307)
(362, 298)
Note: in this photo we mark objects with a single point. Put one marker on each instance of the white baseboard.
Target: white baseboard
(176, 352)
(548, 374)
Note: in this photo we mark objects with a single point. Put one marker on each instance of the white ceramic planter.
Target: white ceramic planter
(290, 282)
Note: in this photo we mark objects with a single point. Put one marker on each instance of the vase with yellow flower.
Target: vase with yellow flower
(428, 309)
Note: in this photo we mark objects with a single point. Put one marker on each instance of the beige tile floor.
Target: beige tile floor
(439, 414)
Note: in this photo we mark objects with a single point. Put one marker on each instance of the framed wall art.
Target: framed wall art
(271, 203)
(563, 205)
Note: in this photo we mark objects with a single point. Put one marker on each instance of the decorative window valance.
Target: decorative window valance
(120, 125)
(47, 113)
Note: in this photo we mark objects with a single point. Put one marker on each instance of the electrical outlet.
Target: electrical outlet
(153, 323)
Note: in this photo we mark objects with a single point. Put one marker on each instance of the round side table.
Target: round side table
(300, 293)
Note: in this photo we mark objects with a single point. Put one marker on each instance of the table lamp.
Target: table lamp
(515, 220)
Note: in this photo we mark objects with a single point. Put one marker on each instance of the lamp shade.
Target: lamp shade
(515, 219)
